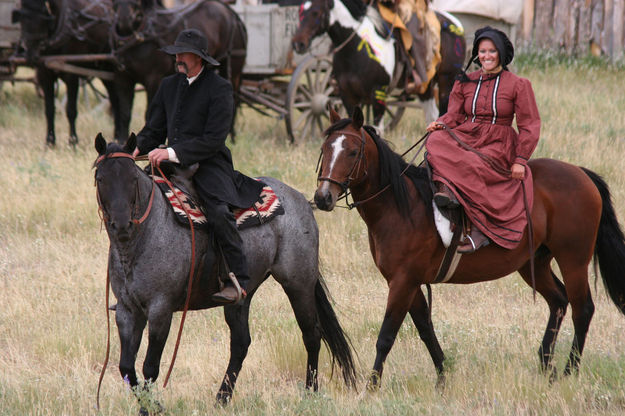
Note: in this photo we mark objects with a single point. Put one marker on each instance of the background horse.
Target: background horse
(60, 27)
(143, 26)
(366, 63)
(150, 286)
(573, 218)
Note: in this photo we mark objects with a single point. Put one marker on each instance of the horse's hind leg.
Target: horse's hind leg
(550, 288)
(420, 314)
(237, 318)
(302, 299)
(575, 275)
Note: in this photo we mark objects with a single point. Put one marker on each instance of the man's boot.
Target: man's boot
(444, 198)
(230, 294)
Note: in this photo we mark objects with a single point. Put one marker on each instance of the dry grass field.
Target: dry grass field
(53, 255)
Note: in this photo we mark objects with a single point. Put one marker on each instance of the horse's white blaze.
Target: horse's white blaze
(337, 148)
(306, 5)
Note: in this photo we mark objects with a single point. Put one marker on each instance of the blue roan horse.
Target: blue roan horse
(149, 266)
(366, 61)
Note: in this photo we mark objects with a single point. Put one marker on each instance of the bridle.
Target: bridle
(345, 192)
(361, 160)
(103, 214)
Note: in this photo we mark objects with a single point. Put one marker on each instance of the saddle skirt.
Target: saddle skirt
(266, 208)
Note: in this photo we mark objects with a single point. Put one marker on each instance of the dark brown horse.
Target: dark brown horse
(367, 63)
(64, 27)
(573, 218)
(142, 27)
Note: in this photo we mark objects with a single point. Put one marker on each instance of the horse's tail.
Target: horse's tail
(610, 246)
(333, 336)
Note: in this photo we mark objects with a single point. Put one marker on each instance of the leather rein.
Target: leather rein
(104, 218)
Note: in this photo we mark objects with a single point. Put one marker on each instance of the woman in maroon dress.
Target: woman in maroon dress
(481, 162)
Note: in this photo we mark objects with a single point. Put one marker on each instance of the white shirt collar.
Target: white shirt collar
(190, 80)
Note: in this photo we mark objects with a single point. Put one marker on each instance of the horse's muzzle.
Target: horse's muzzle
(324, 200)
(121, 229)
(299, 46)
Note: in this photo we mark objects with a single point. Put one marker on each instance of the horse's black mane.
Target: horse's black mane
(357, 8)
(391, 167)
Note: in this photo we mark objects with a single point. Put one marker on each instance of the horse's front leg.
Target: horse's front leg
(159, 323)
(401, 294)
(421, 316)
(130, 326)
(237, 318)
(46, 79)
(71, 106)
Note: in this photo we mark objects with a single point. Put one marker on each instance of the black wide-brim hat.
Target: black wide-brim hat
(191, 40)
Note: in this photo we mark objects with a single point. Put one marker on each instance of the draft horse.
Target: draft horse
(142, 27)
(572, 217)
(149, 265)
(65, 27)
(366, 62)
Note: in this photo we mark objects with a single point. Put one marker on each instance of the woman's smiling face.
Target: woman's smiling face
(488, 55)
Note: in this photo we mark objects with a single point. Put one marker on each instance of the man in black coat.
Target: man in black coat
(193, 109)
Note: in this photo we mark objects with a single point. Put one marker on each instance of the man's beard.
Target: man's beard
(182, 67)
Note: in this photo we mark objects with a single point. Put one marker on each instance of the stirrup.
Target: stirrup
(240, 292)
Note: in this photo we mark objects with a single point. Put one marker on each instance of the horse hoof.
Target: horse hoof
(441, 383)
(73, 140)
(222, 400)
(373, 385)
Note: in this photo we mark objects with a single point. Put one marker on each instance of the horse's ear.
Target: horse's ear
(100, 144)
(131, 143)
(334, 116)
(357, 118)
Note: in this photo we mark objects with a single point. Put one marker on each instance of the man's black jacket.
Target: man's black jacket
(196, 119)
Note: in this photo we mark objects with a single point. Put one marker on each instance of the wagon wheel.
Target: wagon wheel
(307, 97)
(394, 111)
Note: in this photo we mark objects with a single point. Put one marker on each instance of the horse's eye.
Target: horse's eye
(353, 153)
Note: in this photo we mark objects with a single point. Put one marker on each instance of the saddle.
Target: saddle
(183, 199)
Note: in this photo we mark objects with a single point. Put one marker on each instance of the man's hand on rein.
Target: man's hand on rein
(156, 156)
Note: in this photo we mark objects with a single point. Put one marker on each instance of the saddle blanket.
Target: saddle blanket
(264, 210)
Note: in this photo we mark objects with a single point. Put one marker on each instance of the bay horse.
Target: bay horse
(367, 64)
(572, 217)
(65, 27)
(149, 266)
(142, 27)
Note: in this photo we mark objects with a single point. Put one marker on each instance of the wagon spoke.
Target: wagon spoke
(326, 79)
(303, 117)
(302, 104)
(303, 90)
(319, 124)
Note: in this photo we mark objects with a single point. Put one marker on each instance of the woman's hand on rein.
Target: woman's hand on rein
(435, 125)
(517, 171)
